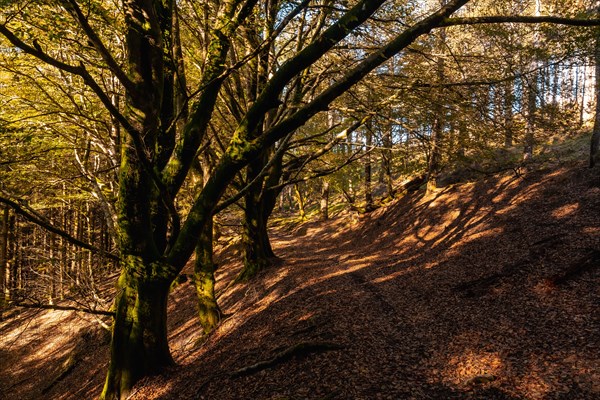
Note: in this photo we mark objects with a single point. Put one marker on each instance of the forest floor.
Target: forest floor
(482, 290)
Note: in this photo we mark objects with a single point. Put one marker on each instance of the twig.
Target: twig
(300, 349)
(63, 308)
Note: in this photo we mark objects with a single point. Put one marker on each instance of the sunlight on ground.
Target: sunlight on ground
(467, 368)
(355, 267)
(565, 211)
(484, 234)
(544, 288)
(591, 230)
(185, 337)
(394, 275)
(307, 316)
(429, 233)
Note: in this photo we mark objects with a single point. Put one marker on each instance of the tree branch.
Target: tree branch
(521, 19)
(269, 97)
(63, 308)
(353, 76)
(240, 151)
(73, 7)
(226, 203)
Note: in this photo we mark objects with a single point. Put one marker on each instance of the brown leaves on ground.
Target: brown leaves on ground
(487, 290)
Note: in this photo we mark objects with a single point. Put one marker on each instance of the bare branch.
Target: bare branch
(75, 10)
(63, 308)
(521, 19)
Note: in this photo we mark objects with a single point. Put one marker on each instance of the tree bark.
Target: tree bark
(13, 269)
(4, 285)
(387, 161)
(531, 99)
(595, 140)
(508, 113)
(139, 340)
(209, 312)
(300, 201)
(435, 152)
(368, 172)
(324, 206)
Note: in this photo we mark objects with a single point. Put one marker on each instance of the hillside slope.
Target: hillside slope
(483, 290)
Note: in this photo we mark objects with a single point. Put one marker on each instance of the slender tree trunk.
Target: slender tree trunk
(90, 259)
(52, 264)
(368, 169)
(324, 205)
(508, 113)
(387, 160)
(300, 201)
(209, 312)
(555, 82)
(4, 286)
(583, 89)
(595, 141)
(63, 253)
(435, 153)
(531, 110)
(14, 278)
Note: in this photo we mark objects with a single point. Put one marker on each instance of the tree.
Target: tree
(595, 141)
(161, 137)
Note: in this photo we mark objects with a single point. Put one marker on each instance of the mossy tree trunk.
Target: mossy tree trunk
(259, 203)
(324, 204)
(139, 340)
(209, 312)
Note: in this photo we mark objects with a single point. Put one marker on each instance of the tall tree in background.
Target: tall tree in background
(595, 141)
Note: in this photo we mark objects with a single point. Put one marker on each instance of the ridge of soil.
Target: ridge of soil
(484, 290)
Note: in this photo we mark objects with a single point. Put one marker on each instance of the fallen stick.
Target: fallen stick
(297, 350)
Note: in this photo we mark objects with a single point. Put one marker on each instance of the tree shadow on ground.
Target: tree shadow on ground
(451, 295)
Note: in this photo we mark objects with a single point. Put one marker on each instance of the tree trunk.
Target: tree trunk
(324, 205)
(209, 312)
(595, 141)
(531, 110)
(255, 239)
(13, 272)
(435, 152)
(508, 114)
(300, 201)
(139, 344)
(387, 160)
(4, 285)
(368, 172)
